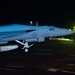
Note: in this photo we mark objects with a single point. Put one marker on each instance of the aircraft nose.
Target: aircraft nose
(71, 32)
(68, 32)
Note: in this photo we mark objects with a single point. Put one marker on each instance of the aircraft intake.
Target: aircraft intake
(31, 40)
(39, 39)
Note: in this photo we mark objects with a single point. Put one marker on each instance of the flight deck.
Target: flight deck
(49, 58)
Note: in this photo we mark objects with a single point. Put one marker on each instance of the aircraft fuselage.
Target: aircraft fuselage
(23, 32)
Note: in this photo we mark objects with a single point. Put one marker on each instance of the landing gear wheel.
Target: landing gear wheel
(26, 50)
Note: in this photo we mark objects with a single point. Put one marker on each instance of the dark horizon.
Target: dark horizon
(49, 12)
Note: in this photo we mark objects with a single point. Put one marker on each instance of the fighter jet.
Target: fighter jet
(18, 32)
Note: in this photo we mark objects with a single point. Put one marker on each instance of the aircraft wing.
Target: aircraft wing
(12, 31)
(13, 34)
(4, 35)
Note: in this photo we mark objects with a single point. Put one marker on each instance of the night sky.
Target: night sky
(51, 12)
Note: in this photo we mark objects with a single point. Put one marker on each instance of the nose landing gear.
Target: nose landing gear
(25, 45)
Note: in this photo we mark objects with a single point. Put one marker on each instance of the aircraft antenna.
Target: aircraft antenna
(36, 23)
